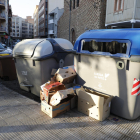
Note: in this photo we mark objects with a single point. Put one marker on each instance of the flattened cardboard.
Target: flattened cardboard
(60, 95)
(94, 104)
(65, 76)
(54, 111)
(42, 95)
(51, 89)
(72, 66)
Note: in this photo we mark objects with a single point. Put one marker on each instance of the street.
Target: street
(22, 118)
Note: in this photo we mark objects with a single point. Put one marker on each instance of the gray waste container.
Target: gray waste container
(35, 59)
(108, 61)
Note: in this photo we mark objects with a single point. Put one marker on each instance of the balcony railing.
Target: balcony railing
(51, 21)
(51, 32)
(2, 29)
(2, 3)
(2, 15)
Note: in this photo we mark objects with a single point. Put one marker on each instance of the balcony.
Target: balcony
(2, 4)
(2, 29)
(2, 16)
(51, 21)
(51, 32)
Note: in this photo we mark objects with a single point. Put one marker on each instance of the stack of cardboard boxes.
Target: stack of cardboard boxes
(60, 95)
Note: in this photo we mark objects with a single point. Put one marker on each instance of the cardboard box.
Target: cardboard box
(65, 76)
(60, 95)
(94, 104)
(54, 111)
(50, 89)
(67, 67)
(42, 95)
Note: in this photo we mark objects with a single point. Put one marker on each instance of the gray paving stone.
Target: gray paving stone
(21, 118)
(10, 120)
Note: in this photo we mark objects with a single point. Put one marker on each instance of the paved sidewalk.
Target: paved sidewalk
(21, 118)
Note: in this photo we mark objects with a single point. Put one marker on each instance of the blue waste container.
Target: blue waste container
(108, 61)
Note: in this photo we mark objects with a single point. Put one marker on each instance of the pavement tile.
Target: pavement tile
(21, 118)
(5, 114)
(10, 120)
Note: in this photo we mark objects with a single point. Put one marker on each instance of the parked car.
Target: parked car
(5, 50)
(4, 45)
(1, 47)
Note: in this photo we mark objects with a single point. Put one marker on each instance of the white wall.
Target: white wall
(52, 4)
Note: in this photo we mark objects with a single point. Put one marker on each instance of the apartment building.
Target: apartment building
(36, 22)
(21, 28)
(43, 18)
(4, 5)
(85, 15)
(16, 27)
(30, 19)
(123, 14)
(27, 29)
(55, 11)
(9, 19)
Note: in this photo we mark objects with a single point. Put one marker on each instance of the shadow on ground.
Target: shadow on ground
(14, 85)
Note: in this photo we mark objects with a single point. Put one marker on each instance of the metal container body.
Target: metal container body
(35, 70)
(111, 74)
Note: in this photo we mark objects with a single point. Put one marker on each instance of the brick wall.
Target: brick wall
(89, 15)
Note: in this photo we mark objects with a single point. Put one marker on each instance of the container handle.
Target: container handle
(25, 85)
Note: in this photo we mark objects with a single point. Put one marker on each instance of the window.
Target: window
(46, 5)
(77, 3)
(73, 4)
(70, 4)
(110, 47)
(118, 6)
(121, 3)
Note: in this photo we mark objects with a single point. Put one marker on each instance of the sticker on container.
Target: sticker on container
(24, 72)
(101, 76)
(136, 87)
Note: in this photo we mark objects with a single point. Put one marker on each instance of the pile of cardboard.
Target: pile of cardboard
(58, 95)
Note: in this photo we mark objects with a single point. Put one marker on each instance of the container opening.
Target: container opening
(112, 47)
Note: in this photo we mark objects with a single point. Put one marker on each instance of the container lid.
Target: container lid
(40, 48)
(132, 35)
(26, 47)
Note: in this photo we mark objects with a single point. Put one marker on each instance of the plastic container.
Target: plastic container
(108, 61)
(35, 59)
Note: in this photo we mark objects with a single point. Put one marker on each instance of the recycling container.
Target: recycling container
(108, 61)
(7, 67)
(35, 59)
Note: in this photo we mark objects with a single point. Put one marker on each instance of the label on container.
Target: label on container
(24, 72)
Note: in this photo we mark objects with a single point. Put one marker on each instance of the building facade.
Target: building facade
(21, 28)
(55, 11)
(36, 22)
(53, 18)
(43, 18)
(9, 19)
(123, 14)
(85, 15)
(4, 8)
(27, 29)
